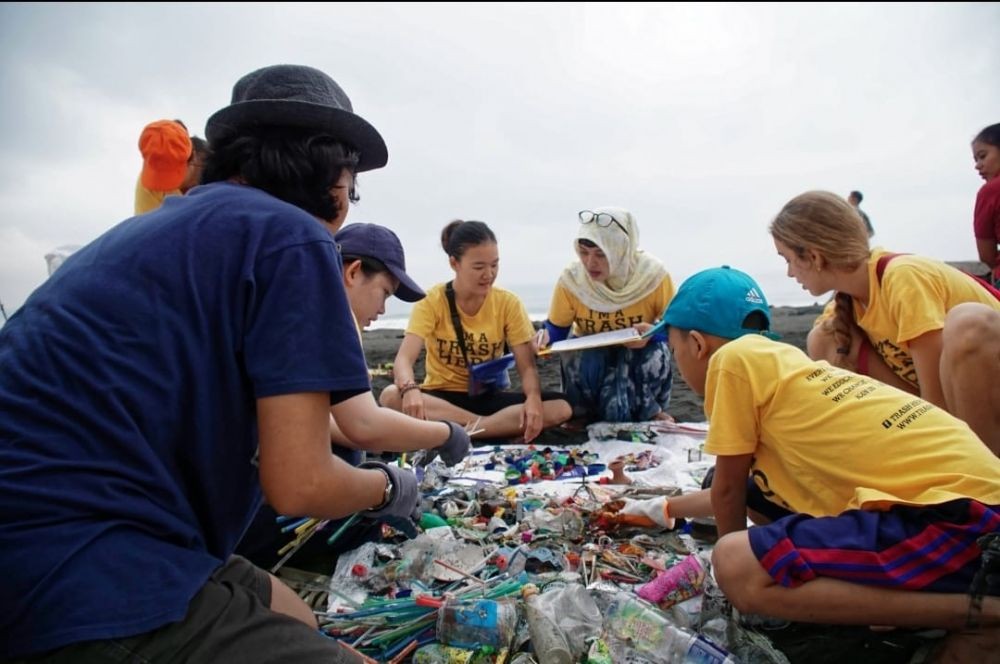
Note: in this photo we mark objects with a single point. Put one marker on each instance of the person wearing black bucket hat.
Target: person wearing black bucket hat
(199, 356)
(302, 97)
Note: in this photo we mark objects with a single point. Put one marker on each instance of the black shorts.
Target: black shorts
(487, 404)
(227, 621)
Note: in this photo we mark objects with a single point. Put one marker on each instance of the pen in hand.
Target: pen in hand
(539, 340)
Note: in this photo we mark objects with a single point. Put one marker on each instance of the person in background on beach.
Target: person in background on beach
(166, 150)
(986, 217)
(855, 198)
(614, 285)
(374, 270)
(491, 319)
(909, 321)
(909, 506)
(196, 358)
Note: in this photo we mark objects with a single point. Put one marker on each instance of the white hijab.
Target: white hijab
(633, 274)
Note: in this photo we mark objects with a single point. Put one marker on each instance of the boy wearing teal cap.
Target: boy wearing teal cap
(885, 507)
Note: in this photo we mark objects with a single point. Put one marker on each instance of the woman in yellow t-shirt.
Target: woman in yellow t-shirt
(934, 330)
(613, 286)
(491, 320)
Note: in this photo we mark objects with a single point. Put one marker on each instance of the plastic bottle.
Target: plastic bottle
(633, 624)
(547, 639)
(477, 622)
(682, 581)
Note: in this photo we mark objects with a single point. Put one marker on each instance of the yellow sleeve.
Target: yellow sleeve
(423, 318)
(562, 313)
(147, 200)
(914, 299)
(517, 324)
(732, 412)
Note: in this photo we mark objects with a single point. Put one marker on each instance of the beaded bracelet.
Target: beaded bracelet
(407, 387)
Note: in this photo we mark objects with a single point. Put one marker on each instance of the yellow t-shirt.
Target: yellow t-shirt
(502, 318)
(147, 200)
(915, 295)
(566, 309)
(826, 440)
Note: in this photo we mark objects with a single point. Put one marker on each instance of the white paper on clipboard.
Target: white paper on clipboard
(611, 338)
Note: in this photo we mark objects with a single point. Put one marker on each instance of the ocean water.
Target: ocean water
(780, 291)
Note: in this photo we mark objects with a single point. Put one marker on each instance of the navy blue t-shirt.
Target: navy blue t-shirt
(127, 407)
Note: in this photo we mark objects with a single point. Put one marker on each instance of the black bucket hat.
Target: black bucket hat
(298, 96)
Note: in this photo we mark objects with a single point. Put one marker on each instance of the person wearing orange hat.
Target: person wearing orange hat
(166, 149)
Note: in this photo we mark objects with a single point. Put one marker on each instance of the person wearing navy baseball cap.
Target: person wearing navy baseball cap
(384, 253)
(859, 490)
(374, 271)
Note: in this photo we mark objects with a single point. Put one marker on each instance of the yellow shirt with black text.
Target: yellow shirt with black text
(567, 309)
(502, 318)
(825, 440)
(915, 295)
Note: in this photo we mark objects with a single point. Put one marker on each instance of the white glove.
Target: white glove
(654, 509)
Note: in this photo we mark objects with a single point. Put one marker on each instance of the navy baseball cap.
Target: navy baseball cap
(378, 242)
(716, 301)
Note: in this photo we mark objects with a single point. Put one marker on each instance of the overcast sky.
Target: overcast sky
(703, 120)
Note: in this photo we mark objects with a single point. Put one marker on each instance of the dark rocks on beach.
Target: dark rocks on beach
(792, 323)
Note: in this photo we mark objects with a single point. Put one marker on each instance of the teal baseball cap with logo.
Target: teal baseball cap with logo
(717, 301)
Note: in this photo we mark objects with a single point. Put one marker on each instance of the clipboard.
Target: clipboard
(612, 338)
(489, 368)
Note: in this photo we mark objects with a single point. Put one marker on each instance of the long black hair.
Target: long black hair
(298, 166)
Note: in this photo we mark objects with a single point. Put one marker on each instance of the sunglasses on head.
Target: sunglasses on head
(602, 219)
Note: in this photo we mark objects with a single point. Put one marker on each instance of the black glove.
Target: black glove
(456, 447)
(405, 499)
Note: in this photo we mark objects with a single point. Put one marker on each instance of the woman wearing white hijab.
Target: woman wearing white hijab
(613, 286)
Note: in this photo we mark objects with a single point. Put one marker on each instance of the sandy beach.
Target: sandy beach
(792, 323)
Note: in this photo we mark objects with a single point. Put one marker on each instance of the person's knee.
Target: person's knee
(820, 343)
(389, 398)
(286, 602)
(562, 411)
(970, 330)
(736, 569)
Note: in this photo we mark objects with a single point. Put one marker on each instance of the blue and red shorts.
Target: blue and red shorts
(931, 548)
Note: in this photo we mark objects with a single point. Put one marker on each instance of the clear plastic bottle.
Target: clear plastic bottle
(547, 639)
(633, 624)
(477, 622)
